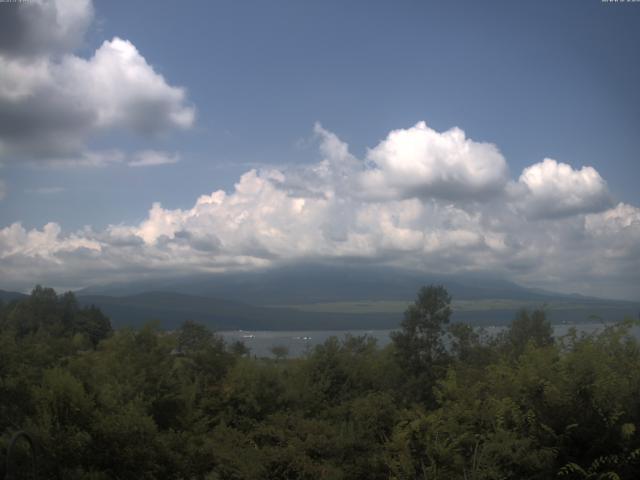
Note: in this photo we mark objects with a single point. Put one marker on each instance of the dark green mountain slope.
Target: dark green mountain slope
(314, 283)
(6, 296)
(171, 309)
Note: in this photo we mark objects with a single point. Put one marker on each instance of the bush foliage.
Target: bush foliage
(442, 401)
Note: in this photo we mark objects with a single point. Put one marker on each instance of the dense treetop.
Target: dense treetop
(441, 401)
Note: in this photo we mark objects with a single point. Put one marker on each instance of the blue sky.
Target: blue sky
(555, 79)
(539, 79)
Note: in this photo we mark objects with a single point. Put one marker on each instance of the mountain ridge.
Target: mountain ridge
(311, 283)
(328, 297)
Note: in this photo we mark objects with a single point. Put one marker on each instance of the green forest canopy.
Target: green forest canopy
(149, 404)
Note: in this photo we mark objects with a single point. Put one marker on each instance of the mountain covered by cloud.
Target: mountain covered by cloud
(440, 203)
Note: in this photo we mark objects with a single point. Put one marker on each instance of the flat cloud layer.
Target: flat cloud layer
(570, 237)
(152, 158)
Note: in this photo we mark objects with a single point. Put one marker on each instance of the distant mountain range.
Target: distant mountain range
(321, 297)
(10, 296)
(326, 283)
(171, 309)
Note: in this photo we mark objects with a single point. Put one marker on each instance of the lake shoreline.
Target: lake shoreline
(299, 342)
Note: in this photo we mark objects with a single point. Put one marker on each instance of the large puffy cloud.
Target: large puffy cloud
(40, 27)
(420, 161)
(617, 232)
(122, 89)
(553, 189)
(51, 105)
(45, 243)
(318, 212)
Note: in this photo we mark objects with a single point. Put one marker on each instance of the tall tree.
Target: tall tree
(419, 345)
(528, 328)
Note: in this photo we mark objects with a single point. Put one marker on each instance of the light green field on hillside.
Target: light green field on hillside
(399, 306)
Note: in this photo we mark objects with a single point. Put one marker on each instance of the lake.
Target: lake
(260, 342)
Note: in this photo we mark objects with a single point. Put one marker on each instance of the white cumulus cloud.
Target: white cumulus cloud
(553, 189)
(53, 103)
(422, 162)
(317, 211)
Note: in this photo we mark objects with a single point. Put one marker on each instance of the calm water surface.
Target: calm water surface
(260, 342)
